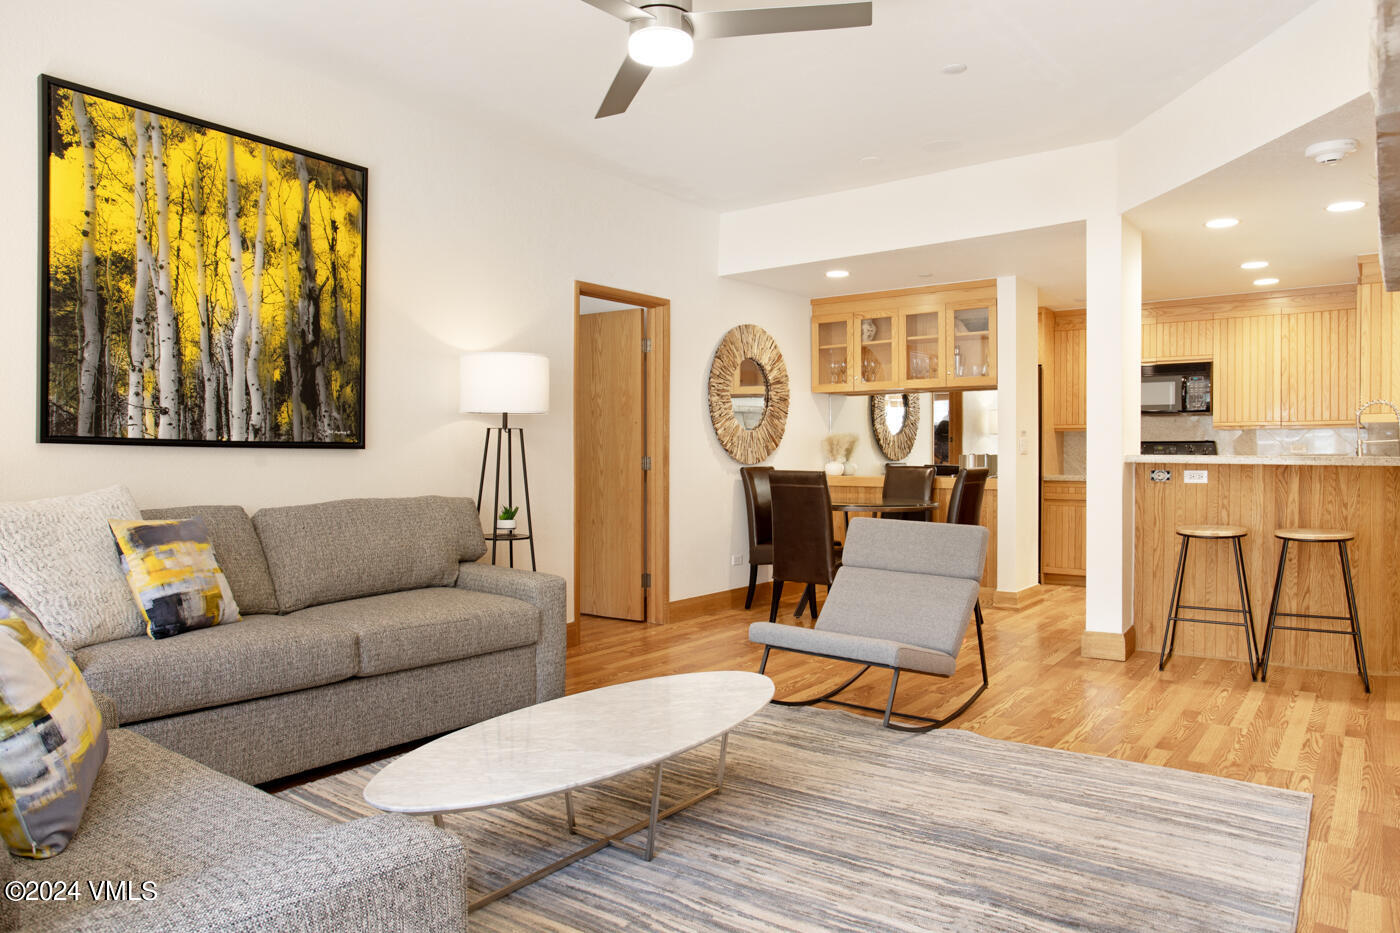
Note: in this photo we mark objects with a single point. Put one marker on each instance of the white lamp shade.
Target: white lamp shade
(505, 383)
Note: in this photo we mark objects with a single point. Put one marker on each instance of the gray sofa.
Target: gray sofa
(366, 624)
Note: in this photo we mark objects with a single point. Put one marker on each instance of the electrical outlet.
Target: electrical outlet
(736, 560)
(1196, 476)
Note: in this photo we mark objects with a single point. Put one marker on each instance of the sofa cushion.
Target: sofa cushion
(52, 742)
(258, 657)
(174, 576)
(334, 551)
(415, 628)
(59, 557)
(471, 543)
(155, 815)
(237, 549)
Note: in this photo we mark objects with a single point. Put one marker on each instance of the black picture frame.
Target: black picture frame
(340, 412)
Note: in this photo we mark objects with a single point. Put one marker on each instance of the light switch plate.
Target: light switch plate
(1197, 476)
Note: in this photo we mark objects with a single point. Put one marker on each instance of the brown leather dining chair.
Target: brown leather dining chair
(759, 504)
(909, 482)
(965, 502)
(803, 543)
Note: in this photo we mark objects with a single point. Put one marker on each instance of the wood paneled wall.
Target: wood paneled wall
(1263, 498)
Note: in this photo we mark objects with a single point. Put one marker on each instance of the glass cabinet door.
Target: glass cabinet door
(924, 365)
(974, 345)
(831, 353)
(879, 363)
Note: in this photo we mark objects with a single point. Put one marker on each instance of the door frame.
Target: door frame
(657, 329)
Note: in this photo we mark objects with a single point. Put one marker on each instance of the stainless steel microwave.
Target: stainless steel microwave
(1176, 387)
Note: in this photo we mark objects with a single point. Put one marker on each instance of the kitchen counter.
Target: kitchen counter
(1341, 460)
(1265, 494)
(1061, 478)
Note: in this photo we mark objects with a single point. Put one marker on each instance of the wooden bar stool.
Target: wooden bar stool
(1324, 536)
(1233, 534)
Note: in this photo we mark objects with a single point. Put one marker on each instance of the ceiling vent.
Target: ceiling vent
(1330, 152)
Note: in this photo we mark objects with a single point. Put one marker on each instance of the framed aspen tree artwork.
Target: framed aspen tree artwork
(201, 286)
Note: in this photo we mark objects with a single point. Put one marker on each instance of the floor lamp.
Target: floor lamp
(506, 384)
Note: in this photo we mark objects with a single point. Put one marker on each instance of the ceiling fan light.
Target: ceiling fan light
(662, 41)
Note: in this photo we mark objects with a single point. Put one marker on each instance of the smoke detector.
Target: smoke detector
(1330, 152)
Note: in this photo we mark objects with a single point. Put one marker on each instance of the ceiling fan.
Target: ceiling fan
(664, 34)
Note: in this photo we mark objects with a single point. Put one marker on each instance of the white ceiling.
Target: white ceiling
(761, 119)
(1278, 195)
(1280, 199)
(1052, 258)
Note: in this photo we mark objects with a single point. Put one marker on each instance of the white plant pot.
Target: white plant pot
(505, 524)
(850, 468)
(835, 468)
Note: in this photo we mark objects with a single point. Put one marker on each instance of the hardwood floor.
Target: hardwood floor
(1314, 731)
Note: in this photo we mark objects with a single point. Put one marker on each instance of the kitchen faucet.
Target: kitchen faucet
(1360, 435)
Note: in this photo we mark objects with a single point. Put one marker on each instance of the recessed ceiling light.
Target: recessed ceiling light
(836, 273)
(1220, 223)
(1341, 207)
(955, 68)
(1255, 264)
(869, 160)
(925, 275)
(1268, 281)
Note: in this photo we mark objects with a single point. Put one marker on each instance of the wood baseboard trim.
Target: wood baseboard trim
(1108, 646)
(683, 610)
(1018, 599)
(1062, 579)
(573, 634)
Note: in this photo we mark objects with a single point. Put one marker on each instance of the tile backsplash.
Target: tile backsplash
(1261, 442)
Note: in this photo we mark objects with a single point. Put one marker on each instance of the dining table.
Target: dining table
(888, 506)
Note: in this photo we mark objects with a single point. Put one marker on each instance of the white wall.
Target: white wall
(474, 242)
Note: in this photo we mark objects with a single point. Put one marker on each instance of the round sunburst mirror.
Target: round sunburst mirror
(748, 393)
(895, 421)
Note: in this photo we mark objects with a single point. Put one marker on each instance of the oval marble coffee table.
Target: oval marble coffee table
(570, 743)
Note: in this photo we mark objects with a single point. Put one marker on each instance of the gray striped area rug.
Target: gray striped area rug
(829, 822)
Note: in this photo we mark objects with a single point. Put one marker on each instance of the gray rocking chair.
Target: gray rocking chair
(902, 601)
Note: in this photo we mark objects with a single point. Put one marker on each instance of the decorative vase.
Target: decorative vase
(850, 468)
(505, 524)
(835, 468)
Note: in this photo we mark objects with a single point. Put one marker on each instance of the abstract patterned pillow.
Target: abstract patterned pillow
(172, 572)
(52, 743)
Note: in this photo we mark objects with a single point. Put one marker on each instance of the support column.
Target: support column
(1113, 259)
(1018, 445)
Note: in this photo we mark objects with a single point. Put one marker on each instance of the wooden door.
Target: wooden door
(1245, 378)
(924, 353)
(831, 352)
(879, 360)
(1319, 382)
(611, 506)
(1071, 373)
(972, 343)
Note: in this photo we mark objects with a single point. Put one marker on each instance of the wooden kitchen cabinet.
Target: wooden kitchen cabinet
(1245, 384)
(911, 340)
(1169, 341)
(831, 352)
(1319, 376)
(1378, 326)
(1062, 532)
(1070, 373)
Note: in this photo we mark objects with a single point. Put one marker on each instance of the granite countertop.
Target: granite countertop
(1061, 478)
(1289, 460)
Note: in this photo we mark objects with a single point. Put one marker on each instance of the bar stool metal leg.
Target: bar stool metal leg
(1173, 609)
(1273, 614)
(1250, 644)
(1355, 618)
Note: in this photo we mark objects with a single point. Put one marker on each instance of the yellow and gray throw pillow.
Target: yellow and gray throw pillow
(171, 569)
(52, 743)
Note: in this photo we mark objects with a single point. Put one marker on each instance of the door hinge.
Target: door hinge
(646, 344)
(646, 463)
(646, 581)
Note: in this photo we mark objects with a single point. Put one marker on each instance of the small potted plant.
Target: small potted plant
(836, 449)
(505, 522)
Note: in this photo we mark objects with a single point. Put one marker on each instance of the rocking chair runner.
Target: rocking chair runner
(902, 600)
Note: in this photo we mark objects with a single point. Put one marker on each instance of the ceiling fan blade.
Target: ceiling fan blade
(624, 87)
(619, 8)
(720, 25)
